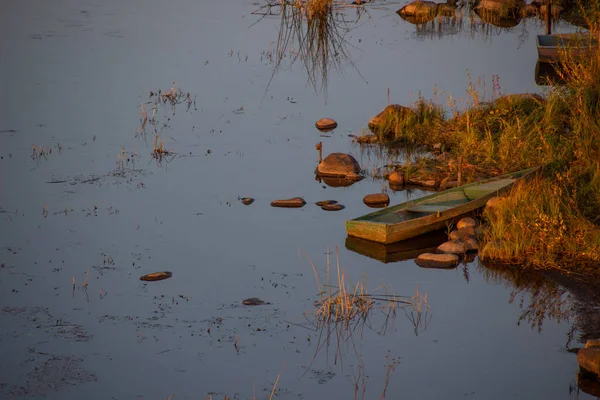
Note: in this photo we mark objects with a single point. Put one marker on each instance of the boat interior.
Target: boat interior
(440, 203)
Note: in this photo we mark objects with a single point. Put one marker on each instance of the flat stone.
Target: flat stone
(325, 202)
(396, 178)
(458, 246)
(338, 165)
(377, 199)
(247, 200)
(592, 343)
(430, 260)
(466, 232)
(589, 360)
(156, 276)
(332, 207)
(295, 202)
(464, 222)
(326, 123)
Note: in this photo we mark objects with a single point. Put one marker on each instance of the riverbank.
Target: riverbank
(551, 221)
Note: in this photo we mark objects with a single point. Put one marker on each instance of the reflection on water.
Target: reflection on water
(485, 17)
(315, 38)
(405, 250)
(543, 297)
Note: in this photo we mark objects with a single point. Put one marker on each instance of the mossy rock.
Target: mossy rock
(392, 117)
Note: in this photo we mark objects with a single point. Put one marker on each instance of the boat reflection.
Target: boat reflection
(400, 251)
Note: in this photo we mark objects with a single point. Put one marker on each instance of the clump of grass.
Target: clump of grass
(539, 225)
(345, 304)
(158, 151)
(409, 126)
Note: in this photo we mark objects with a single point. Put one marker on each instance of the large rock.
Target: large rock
(419, 12)
(295, 202)
(393, 112)
(589, 360)
(339, 165)
(465, 222)
(430, 260)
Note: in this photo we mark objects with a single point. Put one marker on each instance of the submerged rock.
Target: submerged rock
(377, 200)
(253, 301)
(247, 200)
(156, 276)
(396, 178)
(339, 165)
(589, 360)
(430, 260)
(295, 202)
(332, 207)
(465, 222)
(326, 124)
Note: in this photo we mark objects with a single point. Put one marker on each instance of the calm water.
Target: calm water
(73, 75)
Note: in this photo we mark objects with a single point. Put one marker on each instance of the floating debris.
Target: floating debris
(156, 276)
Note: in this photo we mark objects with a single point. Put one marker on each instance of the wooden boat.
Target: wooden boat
(550, 47)
(400, 251)
(430, 213)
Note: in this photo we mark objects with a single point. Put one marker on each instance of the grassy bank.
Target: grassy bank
(552, 221)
